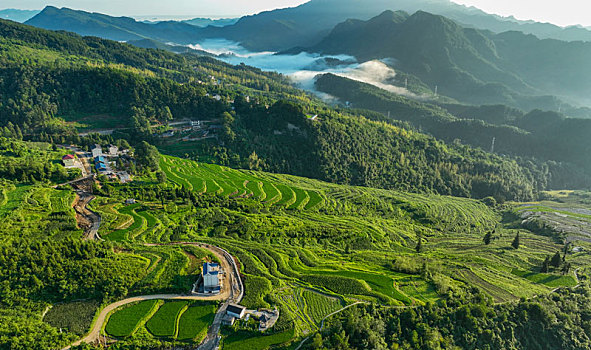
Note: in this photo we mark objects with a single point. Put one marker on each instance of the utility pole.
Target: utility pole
(492, 147)
(406, 83)
(436, 88)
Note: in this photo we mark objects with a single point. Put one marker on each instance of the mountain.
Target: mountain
(114, 28)
(204, 22)
(17, 15)
(304, 25)
(283, 29)
(467, 64)
(143, 87)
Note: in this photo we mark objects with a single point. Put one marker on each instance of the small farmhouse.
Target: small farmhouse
(99, 163)
(211, 278)
(113, 150)
(69, 161)
(236, 311)
(124, 176)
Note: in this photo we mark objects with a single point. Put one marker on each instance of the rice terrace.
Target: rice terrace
(323, 276)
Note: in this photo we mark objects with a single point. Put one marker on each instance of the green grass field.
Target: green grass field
(194, 322)
(124, 322)
(165, 320)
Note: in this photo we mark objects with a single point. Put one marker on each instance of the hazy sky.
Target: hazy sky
(563, 12)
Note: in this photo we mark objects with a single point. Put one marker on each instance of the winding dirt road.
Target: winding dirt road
(233, 290)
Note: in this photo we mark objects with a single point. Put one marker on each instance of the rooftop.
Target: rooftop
(68, 156)
(210, 268)
(236, 309)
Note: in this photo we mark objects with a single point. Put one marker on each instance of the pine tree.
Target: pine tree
(566, 268)
(487, 238)
(556, 260)
(516, 242)
(419, 247)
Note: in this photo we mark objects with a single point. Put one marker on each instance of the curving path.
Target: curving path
(232, 294)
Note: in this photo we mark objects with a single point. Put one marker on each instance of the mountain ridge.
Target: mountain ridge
(303, 25)
(467, 64)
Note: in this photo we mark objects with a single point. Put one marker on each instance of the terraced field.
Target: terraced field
(194, 322)
(182, 320)
(171, 269)
(309, 248)
(30, 210)
(164, 322)
(210, 178)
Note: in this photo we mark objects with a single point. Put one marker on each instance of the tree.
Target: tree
(147, 156)
(566, 268)
(516, 242)
(254, 163)
(160, 176)
(556, 260)
(487, 238)
(165, 114)
(317, 341)
(546, 265)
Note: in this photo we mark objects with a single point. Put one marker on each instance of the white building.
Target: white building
(235, 310)
(211, 278)
(69, 160)
(97, 151)
(124, 177)
(113, 150)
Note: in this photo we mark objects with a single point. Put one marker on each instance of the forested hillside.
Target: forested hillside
(467, 64)
(76, 76)
(549, 137)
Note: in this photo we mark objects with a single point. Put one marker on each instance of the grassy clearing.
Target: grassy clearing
(124, 322)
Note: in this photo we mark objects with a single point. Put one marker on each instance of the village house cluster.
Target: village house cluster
(99, 160)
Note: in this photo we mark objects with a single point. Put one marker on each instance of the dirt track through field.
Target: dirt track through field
(232, 293)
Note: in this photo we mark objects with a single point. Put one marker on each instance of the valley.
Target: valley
(280, 181)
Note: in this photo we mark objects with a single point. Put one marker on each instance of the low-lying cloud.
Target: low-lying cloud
(304, 67)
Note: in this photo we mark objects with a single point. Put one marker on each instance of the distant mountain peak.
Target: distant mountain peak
(391, 16)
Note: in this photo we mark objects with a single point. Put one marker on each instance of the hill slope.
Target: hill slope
(114, 28)
(467, 64)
